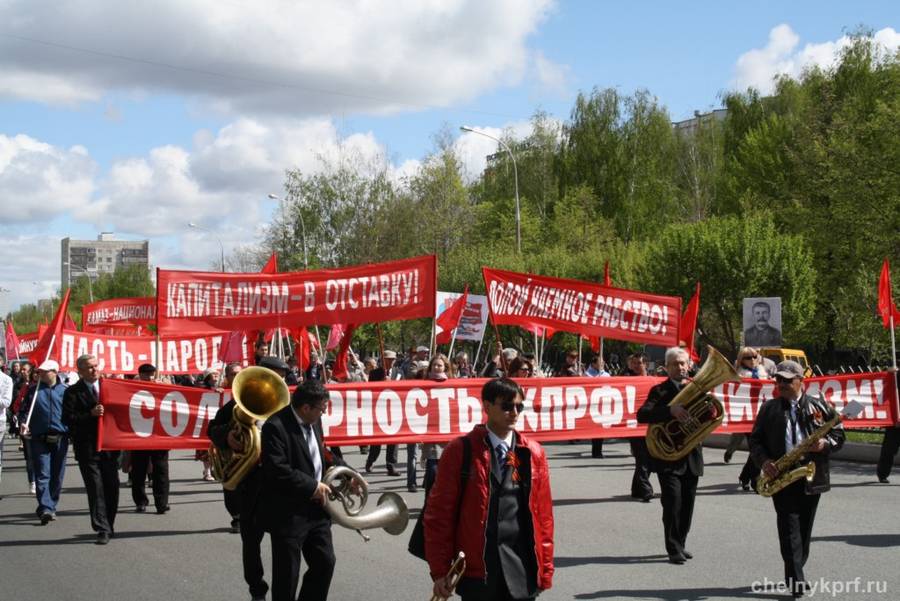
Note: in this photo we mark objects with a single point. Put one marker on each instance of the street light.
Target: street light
(302, 229)
(516, 178)
(221, 247)
(86, 273)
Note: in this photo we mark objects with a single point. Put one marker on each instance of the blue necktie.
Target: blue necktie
(501, 459)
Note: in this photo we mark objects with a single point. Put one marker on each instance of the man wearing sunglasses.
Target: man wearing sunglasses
(504, 520)
(783, 423)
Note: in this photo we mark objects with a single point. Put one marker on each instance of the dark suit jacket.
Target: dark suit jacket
(78, 401)
(768, 436)
(289, 476)
(656, 409)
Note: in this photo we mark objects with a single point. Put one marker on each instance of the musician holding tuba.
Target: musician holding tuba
(677, 478)
(785, 425)
(294, 495)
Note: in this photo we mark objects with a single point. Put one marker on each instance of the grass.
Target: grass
(865, 436)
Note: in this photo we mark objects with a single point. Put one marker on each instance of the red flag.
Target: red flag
(335, 336)
(69, 323)
(302, 347)
(449, 319)
(48, 345)
(12, 341)
(689, 324)
(271, 265)
(231, 351)
(886, 306)
(339, 372)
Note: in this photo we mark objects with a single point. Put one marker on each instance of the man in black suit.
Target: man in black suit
(141, 462)
(100, 470)
(294, 461)
(677, 479)
(783, 423)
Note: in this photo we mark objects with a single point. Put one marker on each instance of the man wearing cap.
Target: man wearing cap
(380, 374)
(783, 423)
(49, 437)
(99, 469)
(141, 462)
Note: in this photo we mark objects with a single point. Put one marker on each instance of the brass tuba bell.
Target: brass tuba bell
(258, 392)
(674, 439)
(344, 504)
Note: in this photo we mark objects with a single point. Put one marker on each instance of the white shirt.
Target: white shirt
(312, 444)
(795, 424)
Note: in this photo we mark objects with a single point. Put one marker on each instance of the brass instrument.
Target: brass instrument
(258, 392)
(767, 486)
(453, 576)
(674, 439)
(344, 504)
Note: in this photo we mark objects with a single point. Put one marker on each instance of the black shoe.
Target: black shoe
(46, 518)
(368, 468)
(162, 510)
(141, 508)
(391, 471)
(677, 558)
(412, 488)
(728, 456)
(235, 526)
(102, 538)
(647, 499)
(745, 486)
(884, 480)
(687, 554)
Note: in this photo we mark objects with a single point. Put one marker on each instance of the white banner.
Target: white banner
(474, 317)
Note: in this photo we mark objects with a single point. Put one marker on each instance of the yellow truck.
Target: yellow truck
(778, 355)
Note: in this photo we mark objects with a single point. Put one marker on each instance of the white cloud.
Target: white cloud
(273, 57)
(473, 149)
(759, 67)
(31, 270)
(552, 77)
(38, 181)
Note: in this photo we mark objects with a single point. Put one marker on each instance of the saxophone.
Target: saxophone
(767, 486)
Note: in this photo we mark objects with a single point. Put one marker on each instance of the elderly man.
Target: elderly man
(677, 479)
(783, 423)
(48, 435)
(99, 469)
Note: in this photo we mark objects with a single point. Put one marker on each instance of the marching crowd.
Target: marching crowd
(506, 529)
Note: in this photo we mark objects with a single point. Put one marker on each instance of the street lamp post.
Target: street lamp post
(221, 247)
(86, 273)
(515, 177)
(302, 229)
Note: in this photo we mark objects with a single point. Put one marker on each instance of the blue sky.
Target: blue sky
(137, 120)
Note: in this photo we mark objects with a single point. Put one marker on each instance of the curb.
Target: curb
(856, 452)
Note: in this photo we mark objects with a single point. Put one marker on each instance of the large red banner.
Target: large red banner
(141, 415)
(190, 301)
(124, 354)
(99, 317)
(590, 309)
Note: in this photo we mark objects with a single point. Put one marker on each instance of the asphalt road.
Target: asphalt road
(607, 545)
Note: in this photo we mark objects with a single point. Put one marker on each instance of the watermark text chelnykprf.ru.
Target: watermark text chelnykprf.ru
(823, 587)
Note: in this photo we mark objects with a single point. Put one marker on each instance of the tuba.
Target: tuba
(258, 392)
(674, 439)
(787, 473)
(344, 504)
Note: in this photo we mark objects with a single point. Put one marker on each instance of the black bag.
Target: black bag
(51, 438)
(417, 538)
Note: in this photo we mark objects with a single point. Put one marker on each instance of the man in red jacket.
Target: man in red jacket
(504, 520)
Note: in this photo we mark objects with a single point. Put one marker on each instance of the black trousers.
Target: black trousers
(232, 503)
(375, 451)
(314, 544)
(796, 513)
(100, 472)
(889, 447)
(597, 448)
(497, 592)
(641, 487)
(252, 533)
(140, 463)
(677, 495)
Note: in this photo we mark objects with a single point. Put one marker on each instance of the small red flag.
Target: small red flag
(12, 341)
(48, 345)
(688, 325)
(271, 265)
(340, 372)
(886, 306)
(231, 350)
(449, 319)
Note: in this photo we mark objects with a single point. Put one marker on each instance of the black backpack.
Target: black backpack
(417, 539)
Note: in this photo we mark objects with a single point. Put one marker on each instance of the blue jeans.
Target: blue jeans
(49, 464)
(411, 464)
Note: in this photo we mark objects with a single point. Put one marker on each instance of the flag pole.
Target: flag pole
(38, 385)
(478, 352)
(381, 347)
(452, 342)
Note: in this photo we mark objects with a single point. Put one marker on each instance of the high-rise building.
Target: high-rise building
(103, 255)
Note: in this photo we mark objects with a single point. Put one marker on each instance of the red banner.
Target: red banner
(526, 300)
(124, 354)
(140, 415)
(190, 301)
(27, 342)
(118, 312)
